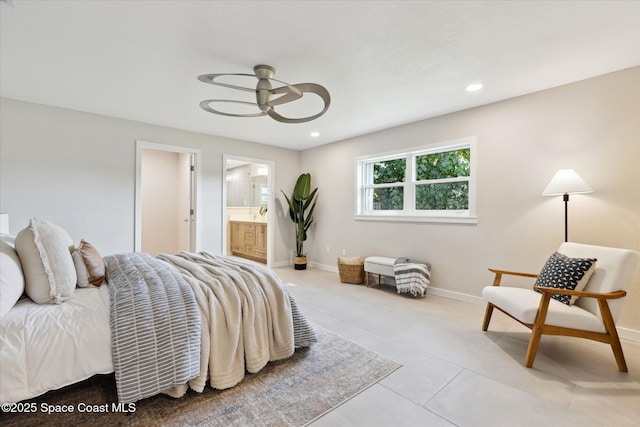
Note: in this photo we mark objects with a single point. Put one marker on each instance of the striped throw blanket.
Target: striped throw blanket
(411, 276)
(155, 326)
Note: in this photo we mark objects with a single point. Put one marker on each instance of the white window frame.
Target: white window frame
(409, 213)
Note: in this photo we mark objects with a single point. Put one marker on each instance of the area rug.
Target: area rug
(292, 392)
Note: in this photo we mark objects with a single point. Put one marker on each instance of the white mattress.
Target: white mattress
(47, 346)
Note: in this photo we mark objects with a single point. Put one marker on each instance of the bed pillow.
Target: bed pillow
(562, 272)
(89, 265)
(45, 253)
(81, 270)
(11, 277)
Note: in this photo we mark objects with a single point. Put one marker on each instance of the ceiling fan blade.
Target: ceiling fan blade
(305, 88)
(205, 106)
(280, 118)
(318, 90)
(210, 78)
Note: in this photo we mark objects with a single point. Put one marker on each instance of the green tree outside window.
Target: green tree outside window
(389, 172)
(443, 166)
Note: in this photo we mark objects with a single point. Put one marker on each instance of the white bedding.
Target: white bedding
(48, 346)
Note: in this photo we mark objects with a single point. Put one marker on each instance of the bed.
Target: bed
(162, 324)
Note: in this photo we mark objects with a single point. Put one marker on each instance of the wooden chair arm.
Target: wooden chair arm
(608, 295)
(499, 273)
(512, 273)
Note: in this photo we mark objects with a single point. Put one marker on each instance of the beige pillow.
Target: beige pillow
(81, 270)
(354, 260)
(45, 253)
(89, 265)
(11, 277)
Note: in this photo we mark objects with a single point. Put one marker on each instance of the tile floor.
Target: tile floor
(454, 374)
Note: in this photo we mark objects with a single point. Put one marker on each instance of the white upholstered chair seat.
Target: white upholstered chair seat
(523, 305)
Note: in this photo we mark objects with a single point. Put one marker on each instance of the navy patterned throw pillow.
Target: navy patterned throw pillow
(563, 272)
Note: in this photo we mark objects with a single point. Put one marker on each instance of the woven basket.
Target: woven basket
(351, 270)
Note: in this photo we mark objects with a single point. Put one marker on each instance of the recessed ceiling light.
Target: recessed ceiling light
(314, 134)
(474, 87)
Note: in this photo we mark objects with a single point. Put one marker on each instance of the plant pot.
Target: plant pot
(300, 262)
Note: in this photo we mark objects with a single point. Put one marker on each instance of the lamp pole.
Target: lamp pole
(565, 197)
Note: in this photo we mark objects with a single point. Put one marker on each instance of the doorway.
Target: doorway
(166, 189)
(247, 201)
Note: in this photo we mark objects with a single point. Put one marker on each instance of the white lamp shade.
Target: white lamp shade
(566, 181)
(4, 223)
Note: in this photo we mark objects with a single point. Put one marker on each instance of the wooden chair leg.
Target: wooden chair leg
(534, 342)
(610, 326)
(487, 316)
(489, 310)
(536, 330)
(619, 355)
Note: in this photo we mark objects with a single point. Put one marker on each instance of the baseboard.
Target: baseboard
(280, 264)
(458, 296)
(332, 268)
(310, 264)
(628, 334)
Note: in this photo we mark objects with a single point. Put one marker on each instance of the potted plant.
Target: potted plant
(301, 206)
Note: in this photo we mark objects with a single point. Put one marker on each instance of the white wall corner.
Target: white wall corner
(281, 264)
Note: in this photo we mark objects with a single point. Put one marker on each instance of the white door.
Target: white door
(186, 182)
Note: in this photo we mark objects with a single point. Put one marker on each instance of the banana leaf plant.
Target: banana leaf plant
(301, 206)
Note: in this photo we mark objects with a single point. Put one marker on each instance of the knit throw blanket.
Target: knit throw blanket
(412, 276)
(246, 313)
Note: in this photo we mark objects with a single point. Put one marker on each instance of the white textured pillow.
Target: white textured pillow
(11, 277)
(45, 253)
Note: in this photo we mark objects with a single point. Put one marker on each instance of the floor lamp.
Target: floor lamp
(565, 182)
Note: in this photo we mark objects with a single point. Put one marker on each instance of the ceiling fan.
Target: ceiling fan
(264, 91)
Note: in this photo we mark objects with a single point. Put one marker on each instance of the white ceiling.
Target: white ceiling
(385, 63)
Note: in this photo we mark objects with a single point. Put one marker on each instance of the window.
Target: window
(431, 183)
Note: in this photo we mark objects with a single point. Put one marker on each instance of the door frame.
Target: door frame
(270, 202)
(194, 238)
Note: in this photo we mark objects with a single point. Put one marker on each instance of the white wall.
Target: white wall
(591, 126)
(78, 171)
(161, 177)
